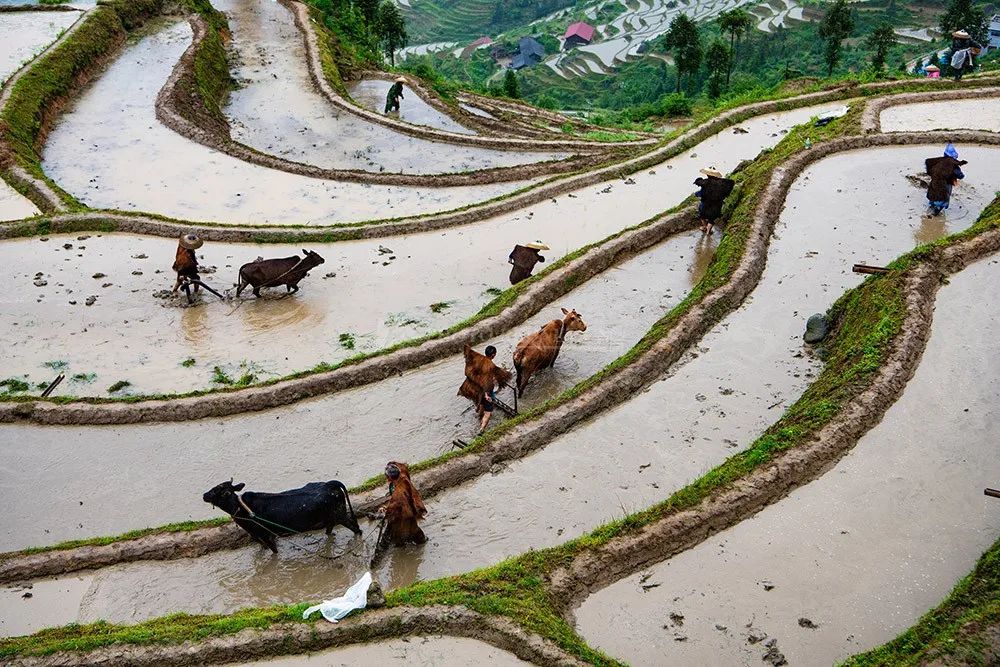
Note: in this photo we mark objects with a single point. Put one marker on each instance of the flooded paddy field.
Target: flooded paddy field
(411, 652)
(370, 93)
(14, 205)
(23, 35)
(627, 459)
(110, 151)
(862, 552)
(277, 109)
(366, 296)
(972, 114)
(347, 436)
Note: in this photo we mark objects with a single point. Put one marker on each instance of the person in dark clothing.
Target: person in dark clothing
(963, 60)
(945, 173)
(524, 257)
(395, 95)
(714, 190)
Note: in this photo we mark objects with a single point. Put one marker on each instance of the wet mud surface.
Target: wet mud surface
(852, 559)
(370, 93)
(110, 151)
(972, 114)
(14, 205)
(635, 455)
(375, 298)
(23, 35)
(277, 110)
(411, 651)
(347, 436)
(29, 607)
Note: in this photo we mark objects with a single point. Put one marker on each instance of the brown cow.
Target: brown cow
(404, 509)
(540, 349)
(481, 374)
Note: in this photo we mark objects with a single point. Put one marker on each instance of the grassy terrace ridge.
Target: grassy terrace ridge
(952, 631)
(52, 78)
(867, 320)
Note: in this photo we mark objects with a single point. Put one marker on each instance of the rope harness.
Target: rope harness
(255, 519)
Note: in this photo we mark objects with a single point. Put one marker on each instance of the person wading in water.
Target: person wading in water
(394, 96)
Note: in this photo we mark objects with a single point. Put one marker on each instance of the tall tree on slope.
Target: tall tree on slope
(834, 29)
(391, 29)
(737, 23)
(684, 43)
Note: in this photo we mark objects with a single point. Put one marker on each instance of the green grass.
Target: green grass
(188, 363)
(952, 631)
(866, 321)
(14, 385)
(346, 341)
(118, 386)
(86, 378)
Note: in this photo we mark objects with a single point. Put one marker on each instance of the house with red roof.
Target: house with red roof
(578, 34)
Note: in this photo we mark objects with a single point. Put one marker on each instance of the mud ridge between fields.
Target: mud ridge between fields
(871, 119)
(303, 20)
(666, 537)
(294, 638)
(524, 438)
(538, 295)
(179, 107)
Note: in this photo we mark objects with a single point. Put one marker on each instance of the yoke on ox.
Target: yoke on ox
(267, 516)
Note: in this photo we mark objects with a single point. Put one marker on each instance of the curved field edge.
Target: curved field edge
(190, 104)
(532, 430)
(952, 632)
(885, 318)
(25, 407)
(50, 80)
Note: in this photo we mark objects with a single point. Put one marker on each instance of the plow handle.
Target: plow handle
(995, 493)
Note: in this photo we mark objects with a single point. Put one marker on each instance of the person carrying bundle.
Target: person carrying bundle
(714, 190)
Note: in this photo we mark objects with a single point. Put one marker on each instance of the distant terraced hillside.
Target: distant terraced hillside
(445, 20)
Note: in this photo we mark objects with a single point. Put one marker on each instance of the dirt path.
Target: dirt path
(861, 552)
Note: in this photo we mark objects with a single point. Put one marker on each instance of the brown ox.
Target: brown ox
(481, 374)
(540, 349)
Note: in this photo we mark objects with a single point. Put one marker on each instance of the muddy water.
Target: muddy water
(14, 205)
(626, 460)
(413, 417)
(411, 652)
(277, 109)
(111, 152)
(421, 271)
(972, 114)
(370, 93)
(23, 35)
(863, 551)
(29, 607)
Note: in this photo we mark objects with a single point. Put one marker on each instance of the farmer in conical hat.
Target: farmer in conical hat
(395, 95)
(524, 257)
(945, 173)
(185, 262)
(714, 190)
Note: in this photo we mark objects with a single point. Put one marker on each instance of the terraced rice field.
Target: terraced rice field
(820, 498)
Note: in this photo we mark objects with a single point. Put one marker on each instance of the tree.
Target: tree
(718, 57)
(880, 41)
(511, 88)
(963, 15)
(736, 22)
(369, 9)
(684, 43)
(834, 29)
(391, 29)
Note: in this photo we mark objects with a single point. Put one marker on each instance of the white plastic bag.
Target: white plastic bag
(356, 597)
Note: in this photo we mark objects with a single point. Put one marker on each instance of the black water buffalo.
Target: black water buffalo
(287, 271)
(316, 505)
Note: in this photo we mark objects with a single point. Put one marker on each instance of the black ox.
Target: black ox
(266, 516)
(287, 271)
